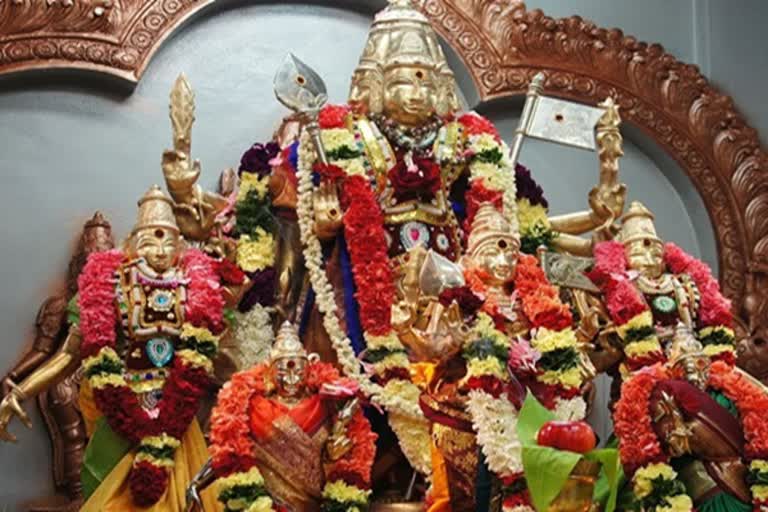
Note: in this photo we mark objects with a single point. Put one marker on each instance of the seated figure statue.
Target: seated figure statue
(692, 433)
(288, 434)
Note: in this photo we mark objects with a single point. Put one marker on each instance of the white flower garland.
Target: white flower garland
(406, 417)
(254, 331)
(573, 409)
(495, 421)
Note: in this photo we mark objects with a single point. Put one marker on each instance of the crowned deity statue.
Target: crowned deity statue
(289, 434)
(145, 329)
(59, 405)
(691, 431)
(648, 286)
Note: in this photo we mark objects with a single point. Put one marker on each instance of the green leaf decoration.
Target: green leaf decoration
(546, 471)
(230, 317)
(611, 475)
(104, 451)
(532, 416)
(73, 310)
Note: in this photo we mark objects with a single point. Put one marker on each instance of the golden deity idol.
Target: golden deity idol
(140, 395)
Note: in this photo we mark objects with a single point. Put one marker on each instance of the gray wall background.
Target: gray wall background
(71, 144)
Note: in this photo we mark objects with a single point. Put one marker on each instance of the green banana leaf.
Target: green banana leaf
(547, 469)
(104, 451)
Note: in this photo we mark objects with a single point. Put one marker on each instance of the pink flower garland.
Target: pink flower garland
(205, 301)
(98, 316)
(622, 299)
(715, 309)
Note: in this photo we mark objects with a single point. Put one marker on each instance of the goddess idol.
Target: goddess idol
(145, 328)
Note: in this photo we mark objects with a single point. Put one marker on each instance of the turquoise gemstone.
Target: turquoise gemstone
(159, 351)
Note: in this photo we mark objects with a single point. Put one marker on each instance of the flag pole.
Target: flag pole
(534, 91)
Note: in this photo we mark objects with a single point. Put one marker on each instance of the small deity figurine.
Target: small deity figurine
(289, 434)
(145, 329)
(692, 433)
(515, 321)
(649, 286)
(58, 405)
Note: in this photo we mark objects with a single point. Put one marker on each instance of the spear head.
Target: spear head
(299, 87)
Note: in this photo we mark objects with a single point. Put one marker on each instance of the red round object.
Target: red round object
(574, 436)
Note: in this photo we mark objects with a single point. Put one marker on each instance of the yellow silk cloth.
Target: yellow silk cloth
(114, 495)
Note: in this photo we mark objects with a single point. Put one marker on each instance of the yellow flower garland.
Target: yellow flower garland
(257, 253)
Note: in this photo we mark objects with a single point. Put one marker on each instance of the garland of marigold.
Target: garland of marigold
(157, 437)
(241, 485)
(642, 453)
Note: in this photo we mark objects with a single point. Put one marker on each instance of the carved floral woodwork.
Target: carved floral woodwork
(502, 44)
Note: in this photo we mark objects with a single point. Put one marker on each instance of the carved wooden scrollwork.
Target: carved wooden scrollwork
(503, 45)
(111, 36)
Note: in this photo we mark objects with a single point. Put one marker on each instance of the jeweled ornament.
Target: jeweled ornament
(664, 304)
(413, 234)
(161, 300)
(159, 351)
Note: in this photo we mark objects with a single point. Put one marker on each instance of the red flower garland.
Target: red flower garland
(333, 116)
(540, 300)
(147, 483)
(622, 299)
(185, 385)
(367, 245)
(476, 196)
(632, 424)
(750, 400)
(714, 309)
(475, 124)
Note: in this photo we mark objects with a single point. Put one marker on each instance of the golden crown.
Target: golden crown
(287, 344)
(155, 211)
(488, 227)
(402, 36)
(637, 224)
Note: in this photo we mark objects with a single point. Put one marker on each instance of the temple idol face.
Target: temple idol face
(289, 374)
(410, 94)
(646, 255)
(158, 246)
(498, 260)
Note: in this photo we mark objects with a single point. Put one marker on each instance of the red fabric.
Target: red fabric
(308, 414)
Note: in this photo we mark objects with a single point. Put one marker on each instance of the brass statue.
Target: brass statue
(58, 405)
(298, 433)
(157, 278)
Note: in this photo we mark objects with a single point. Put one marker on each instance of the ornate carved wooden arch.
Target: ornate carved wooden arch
(502, 45)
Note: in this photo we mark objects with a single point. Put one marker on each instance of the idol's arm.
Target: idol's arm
(38, 381)
(606, 200)
(48, 325)
(199, 483)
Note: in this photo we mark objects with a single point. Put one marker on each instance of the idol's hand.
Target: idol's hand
(607, 201)
(327, 211)
(10, 407)
(193, 499)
